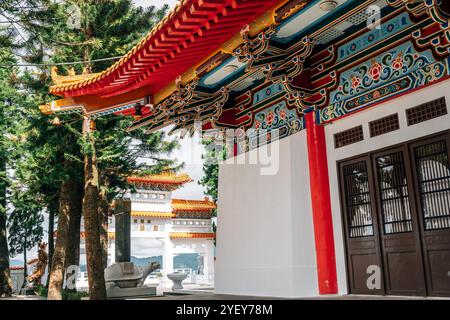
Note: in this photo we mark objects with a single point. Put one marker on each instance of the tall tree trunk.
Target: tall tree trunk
(5, 277)
(57, 272)
(103, 215)
(25, 273)
(73, 240)
(50, 239)
(96, 278)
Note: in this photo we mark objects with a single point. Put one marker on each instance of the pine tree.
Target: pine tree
(24, 224)
(5, 280)
(42, 169)
(106, 28)
(7, 95)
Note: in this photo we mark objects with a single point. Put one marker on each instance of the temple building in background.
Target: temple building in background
(167, 227)
(357, 93)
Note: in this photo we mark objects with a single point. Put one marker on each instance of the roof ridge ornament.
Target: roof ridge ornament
(71, 76)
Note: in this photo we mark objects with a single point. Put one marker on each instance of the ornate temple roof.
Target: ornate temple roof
(191, 208)
(60, 80)
(209, 61)
(163, 181)
(190, 32)
(206, 205)
(16, 268)
(153, 214)
(192, 235)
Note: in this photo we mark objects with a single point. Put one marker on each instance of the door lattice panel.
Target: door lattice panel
(393, 190)
(358, 200)
(433, 171)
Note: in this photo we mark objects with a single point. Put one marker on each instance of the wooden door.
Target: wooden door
(432, 181)
(399, 229)
(361, 225)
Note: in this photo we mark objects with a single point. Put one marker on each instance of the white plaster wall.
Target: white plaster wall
(192, 225)
(191, 245)
(265, 240)
(158, 207)
(398, 105)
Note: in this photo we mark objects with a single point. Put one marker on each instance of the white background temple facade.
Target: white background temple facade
(162, 226)
(266, 246)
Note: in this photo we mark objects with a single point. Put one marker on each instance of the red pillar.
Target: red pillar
(321, 206)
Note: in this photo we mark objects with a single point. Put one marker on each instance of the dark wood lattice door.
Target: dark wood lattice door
(399, 227)
(432, 179)
(361, 225)
(396, 206)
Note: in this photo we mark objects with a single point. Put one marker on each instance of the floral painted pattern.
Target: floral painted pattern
(384, 68)
(375, 71)
(423, 76)
(398, 64)
(276, 117)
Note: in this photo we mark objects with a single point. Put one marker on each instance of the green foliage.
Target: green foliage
(35, 151)
(41, 290)
(106, 28)
(74, 295)
(7, 97)
(87, 30)
(213, 155)
(25, 220)
(24, 223)
(66, 293)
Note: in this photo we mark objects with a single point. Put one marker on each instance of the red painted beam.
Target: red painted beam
(321, 206)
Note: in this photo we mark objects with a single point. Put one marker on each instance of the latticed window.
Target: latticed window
(348, 137)
(426, 111)
(384, 125)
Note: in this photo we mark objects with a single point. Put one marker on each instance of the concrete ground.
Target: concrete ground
(224, 297)
(199, 292)
(203, 292)
(213, 296)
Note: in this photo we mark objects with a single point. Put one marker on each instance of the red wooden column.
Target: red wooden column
(321, 206)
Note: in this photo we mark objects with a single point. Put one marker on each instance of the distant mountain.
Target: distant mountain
(182, 261)
(186, 261)
(144, 261)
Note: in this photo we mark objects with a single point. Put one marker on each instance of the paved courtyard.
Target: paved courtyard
(204, 292)
(213, 296)
(198, 292)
